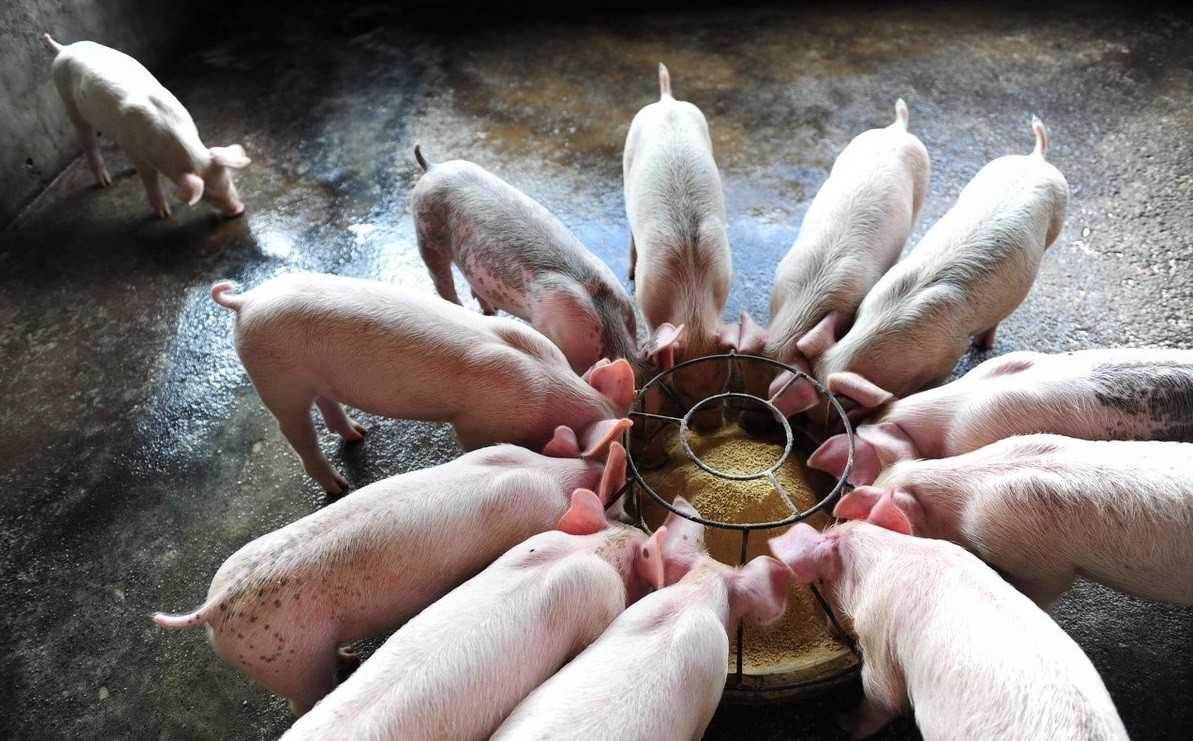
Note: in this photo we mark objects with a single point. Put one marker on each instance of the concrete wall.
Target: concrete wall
(36, 140)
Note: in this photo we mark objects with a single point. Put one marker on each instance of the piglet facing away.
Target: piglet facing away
(852, 233)
(1103, 394)
(1045, 509)
(109, 91)
(937, 626)
(679, 242)
(461, 665)
(659, 670)
(280, 607)
(519, 258)
(969, 272)
(306, 337)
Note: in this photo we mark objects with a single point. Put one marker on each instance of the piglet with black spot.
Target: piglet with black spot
(1101, 394)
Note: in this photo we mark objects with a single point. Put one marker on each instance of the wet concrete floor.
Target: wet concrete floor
(135, 455)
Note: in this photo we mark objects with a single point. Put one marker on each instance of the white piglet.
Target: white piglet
(1045, 509)
(852, 233)
(940, 629)
(1101, 394)
(308, 338)
(679, 242)
(461, 665)
(281, 606)
(968, 273)
(659, 670)
(109, 91)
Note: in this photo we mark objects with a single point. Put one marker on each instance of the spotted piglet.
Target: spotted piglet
(109, 91)
(519, 258)
(309, 338)
(279, 608)
(1044, 509)
(461, 665)
(938, 627)
(1102, 394)
(659, 670)
(969, 272)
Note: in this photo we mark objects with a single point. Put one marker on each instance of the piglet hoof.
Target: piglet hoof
(163, 212)
(103, 178)
(347, 662)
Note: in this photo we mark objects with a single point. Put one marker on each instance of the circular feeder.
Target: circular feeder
(749, 484)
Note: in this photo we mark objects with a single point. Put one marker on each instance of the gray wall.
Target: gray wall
(36, 140)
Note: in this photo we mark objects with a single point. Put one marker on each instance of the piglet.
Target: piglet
(679, 243)
(519, 258)
(852, 233)
(1044, 509)
(971, 270)
(1102, 394)
(109, 91)
(306, 337)
(461, 665)
(659, 670)
(279, 608)
(939, 628)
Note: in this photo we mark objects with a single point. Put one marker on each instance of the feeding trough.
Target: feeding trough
(748, 486)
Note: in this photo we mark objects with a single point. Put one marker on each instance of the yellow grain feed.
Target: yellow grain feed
(799, 645)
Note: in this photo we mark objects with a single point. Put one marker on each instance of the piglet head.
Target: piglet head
(810, 554)
(885, 508)
(758, 591)
(876, 446)
(614, 380)
(217, 179)
(676, 546)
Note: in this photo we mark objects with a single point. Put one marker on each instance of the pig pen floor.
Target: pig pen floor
(135, 455)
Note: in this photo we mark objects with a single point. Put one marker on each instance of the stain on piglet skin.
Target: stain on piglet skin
(1157, 393)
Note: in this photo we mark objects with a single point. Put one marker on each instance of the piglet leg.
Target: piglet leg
(87, 139)
(338, 420)
(153, 188)
(294, 420)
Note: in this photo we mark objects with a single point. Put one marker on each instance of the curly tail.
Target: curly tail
(181, 621)
(219, 289)
(901, 114)
(50, 43)
(1041, 137)
(664, 82)
(418, 155)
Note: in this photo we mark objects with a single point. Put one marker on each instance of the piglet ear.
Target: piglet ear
(856, 505)
(808, 553)
(820, 338)
(563, 444)
(613, 477)
(745, 337)
(866, 393)
(598, 364)
(190, 188)
(650, 559)
(759, 590)
(586, 515)
(615, 381)
(659, 352)
(233, 156)
(792, 394)
(887, 514)
(598, 436)
(832, 455)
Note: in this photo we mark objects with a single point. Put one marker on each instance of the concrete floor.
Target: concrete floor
(135, 455)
